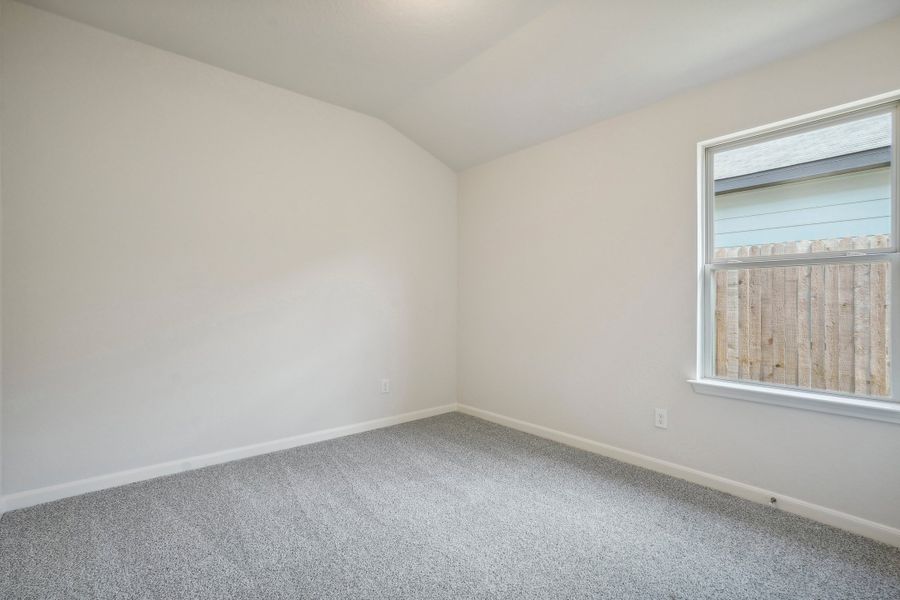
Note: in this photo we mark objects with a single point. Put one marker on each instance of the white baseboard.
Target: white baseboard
(870, 529)
(101, 482)
(864, 527)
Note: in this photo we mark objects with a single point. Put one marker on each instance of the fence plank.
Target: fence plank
(862, 310)
(790, 318)
(744, 318)
(755, 325)
(845, 321)
(779, 318)
(817, 319)
(832, 321)
(766, 319)
(804, 322)
(879, 356)
(720, 317)
(731, 318)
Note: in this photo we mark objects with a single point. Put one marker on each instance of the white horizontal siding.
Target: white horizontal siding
(840, 206)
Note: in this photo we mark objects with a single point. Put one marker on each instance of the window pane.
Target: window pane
(825, 184)
(820, 327)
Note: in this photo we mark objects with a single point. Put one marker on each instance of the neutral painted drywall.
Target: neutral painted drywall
(194, 261)
(2, 507)
(578, 288)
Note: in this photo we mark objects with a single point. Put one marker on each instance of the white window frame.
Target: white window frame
(705, 380)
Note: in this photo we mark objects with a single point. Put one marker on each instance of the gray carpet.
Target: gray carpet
(447, 507)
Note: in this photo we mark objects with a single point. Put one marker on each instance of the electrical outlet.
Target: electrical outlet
(385, 386)
(661, 418)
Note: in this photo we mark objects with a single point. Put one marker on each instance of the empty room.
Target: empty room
(449, 299)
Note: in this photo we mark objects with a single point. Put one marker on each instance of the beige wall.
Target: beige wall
(578, 288)
(2, 16)
(194, 261)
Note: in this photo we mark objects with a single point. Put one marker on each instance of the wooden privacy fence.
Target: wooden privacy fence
(821, 327)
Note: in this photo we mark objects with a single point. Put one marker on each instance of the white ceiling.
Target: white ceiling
(471, 80)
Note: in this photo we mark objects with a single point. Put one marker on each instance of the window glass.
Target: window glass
(818, 327)
(816, 190)
(798, 265)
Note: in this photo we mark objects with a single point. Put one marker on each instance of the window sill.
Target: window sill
(874, 410)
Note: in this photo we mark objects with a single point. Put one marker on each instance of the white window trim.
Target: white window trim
(878, 409)
(835, 404)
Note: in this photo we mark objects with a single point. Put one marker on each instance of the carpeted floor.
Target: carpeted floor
(447, 507)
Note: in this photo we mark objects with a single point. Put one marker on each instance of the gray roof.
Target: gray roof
(836, 140)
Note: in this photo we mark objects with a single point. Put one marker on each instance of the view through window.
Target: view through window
(798, 276)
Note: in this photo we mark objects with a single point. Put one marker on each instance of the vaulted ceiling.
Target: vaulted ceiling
(471, 80)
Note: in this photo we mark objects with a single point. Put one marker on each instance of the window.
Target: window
(798, 253)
